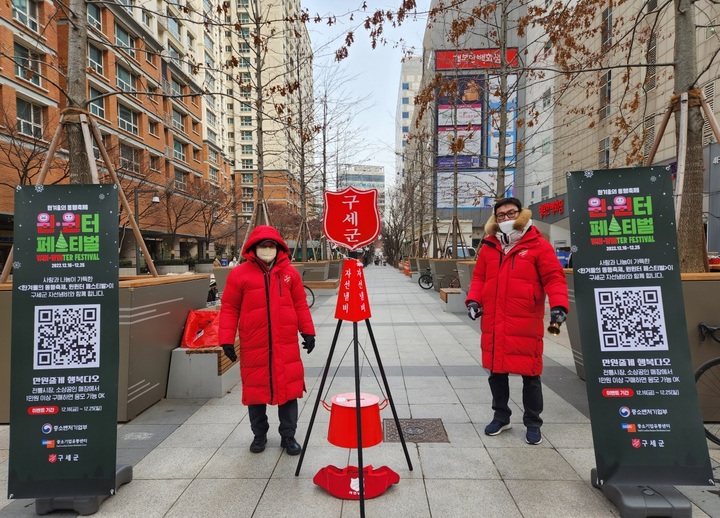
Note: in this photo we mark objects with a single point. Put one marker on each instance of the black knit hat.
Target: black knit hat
(505, 201)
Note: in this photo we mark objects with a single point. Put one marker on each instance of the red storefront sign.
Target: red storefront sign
(553, 207)
(470, 59)
(351, 217)
(352, 302)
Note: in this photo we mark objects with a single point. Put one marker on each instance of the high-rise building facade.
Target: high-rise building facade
(363, 176)
(410, 77)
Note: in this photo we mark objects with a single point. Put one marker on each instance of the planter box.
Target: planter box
(204, 267)
(465, 271)
(221, 273)
(423, 263)
(440, 268)
(316, 271)
(165, 269)
(335, 269)
(127, 272)
(300, 267)
(152, 317)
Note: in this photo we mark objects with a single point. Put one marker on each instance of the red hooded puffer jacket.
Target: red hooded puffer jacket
(511, 290)
(266, 308)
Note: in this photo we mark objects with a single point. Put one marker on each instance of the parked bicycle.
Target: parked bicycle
(707, 381)
(426, 280)
(450, 280)
(309, 295)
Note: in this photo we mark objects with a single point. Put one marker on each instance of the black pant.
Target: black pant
(532, 398)
(287, 412)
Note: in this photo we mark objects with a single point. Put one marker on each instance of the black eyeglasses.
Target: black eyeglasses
(511, 214)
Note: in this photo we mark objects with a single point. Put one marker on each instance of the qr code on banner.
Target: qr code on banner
(67, 337)
(631, 319)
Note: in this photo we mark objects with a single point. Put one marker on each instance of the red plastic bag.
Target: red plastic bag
(201, 329)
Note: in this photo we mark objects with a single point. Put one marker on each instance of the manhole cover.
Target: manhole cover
(416, 430)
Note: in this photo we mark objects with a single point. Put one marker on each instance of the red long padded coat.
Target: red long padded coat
(511, 290)
(266, 308)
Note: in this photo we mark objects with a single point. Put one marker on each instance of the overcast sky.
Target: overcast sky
(376, 71)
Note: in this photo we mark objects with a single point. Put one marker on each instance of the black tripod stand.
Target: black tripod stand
(357, 404)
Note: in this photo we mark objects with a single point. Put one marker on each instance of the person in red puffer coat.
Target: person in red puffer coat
(264, 303)
(515, 270)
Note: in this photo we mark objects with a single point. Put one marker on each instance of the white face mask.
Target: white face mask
(266, 255)
(506, 226)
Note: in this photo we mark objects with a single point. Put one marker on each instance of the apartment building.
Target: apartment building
(410, 77)
(363, 176)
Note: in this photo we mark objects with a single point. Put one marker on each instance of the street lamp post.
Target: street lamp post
(155, 199)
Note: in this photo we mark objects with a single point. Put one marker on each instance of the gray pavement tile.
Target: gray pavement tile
(317, 457)
(131, 456)
(4, 437)
(217, 414)
(449, 413)
(448, 462)
(241, 463)
(568, 435)
(146, 498)
(437, 395)
(199, 435)
(559, 499)
(463, 435)
(476, 395)
(407, 498)
(26, 509)
(175, 463)
(143, 436)
(556, 409)
(582, 461)
(531, 463)
(475, 380)
(231, 498)
(455, 498)
(433, 379)
(169, 411)
(296, 497)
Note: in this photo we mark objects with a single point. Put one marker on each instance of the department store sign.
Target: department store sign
(644, 409)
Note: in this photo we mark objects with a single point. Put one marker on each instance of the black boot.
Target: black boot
(258, 444)
(291, 445)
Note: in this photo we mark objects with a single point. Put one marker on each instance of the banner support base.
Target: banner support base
(83, 505)
(640, 501)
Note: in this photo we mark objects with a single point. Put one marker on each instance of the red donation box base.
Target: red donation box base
(344, 483)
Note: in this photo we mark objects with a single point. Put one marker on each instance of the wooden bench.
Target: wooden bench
(327, 287)
(201, 372)
(454, 300)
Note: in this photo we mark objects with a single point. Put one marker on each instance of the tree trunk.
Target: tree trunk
(691, 234)
(76, 91)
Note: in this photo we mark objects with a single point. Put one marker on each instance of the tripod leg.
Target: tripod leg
(359, 420)
(387, 390)
(319, 396)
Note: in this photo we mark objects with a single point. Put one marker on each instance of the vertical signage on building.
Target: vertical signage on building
(63, 406)
(644, 410)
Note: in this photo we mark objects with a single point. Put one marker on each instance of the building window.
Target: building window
(406, 86)
(405, 115)
(406, 129)
(245, 107)
(212, 136)
(94, 16)
(605, 91)
(213, 174)
(547, 98)
(29, 118)
(154, 163)
(212, 156)
(27, 65)
(245, 121)
(244, 18)
(545, 192)
(178, 150)
(180, 181)
(244, 47)
(405, 100)
(146, 18)
(246, 135)
(604, 153)
(247, 163)
(177, 120)
(124, 40)
(125, 80)
(97, 103)
(606, 29)
(651, 70)
(153, 128)
(247, 193)
(247, 206)
(129, 158)
(95, 59)
(175, 87)
(649, 135)
(127, 119)
(210, 117)
(196, 155)
(247, 149)
(546, 146)
(247, 178)
(26, 12)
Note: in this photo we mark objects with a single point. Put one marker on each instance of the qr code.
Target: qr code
(631, 319)
(67, 337)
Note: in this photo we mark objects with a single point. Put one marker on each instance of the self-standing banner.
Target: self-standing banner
(352, 302)
(65, 338)
(351, 217)
(644, 410)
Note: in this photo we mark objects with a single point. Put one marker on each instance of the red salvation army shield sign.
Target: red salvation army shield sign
(351, 217)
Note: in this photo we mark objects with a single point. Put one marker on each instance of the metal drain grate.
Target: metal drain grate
(416, 430)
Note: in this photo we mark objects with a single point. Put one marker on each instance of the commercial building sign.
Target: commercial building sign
(65, 338)
(473, 59)
(646, 422)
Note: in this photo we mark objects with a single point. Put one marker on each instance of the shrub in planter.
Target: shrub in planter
(190, 261)
(206, 260)
(169, 262)
(125, 263)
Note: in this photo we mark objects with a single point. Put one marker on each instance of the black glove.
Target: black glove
(558, 315)
(474, 310)
(229, 351)
(308, 342)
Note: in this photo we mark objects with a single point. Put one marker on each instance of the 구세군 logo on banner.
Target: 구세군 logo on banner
(351, 217)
